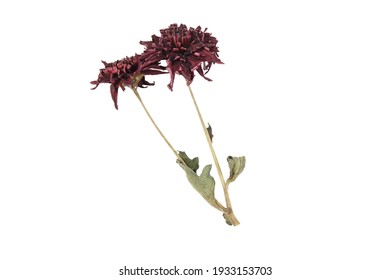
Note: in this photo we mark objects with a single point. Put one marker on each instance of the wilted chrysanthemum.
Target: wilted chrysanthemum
(129, 71)
(185, 51)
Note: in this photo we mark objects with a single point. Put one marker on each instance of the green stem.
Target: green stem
(228, 210)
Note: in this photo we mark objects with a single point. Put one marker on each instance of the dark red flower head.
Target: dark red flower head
(185, 51)
(129, 71)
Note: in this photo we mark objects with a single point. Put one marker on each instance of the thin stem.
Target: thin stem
(220, 206)
(228, 203)
(229, 211)
(155, 125)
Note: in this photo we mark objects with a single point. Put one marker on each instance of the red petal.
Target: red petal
(114, 95)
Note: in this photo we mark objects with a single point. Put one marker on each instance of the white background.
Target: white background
(303, 94)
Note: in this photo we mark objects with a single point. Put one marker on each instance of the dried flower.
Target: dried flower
(129, 71)
(185, 51)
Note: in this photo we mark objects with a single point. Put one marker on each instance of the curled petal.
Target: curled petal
(172, 75)
(114, 94)
(144, 83)
(96, 83)
(200, 71)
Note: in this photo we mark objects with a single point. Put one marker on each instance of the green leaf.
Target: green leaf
(203, 184)
(191, 163)
(236, 166)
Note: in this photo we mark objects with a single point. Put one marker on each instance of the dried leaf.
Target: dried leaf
(227, 220)
(191, 163)
(236, 166)
(210, 131)
(203, 184)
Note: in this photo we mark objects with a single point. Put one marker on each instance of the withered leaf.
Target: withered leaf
(203, 184)
(227, 220)
(236, 166)
(191, 163)
(210, 131)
